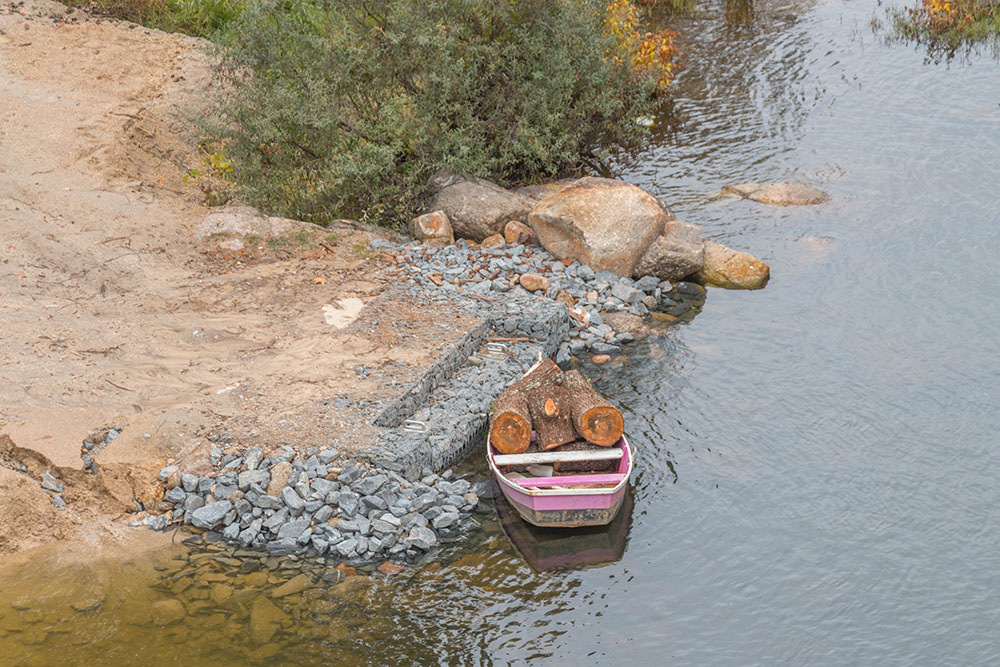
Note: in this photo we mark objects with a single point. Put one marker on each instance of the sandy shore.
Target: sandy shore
(118, 313)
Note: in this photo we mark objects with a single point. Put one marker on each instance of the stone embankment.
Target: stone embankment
(393, 506)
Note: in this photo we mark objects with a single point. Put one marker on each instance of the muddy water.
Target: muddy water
(817, 462)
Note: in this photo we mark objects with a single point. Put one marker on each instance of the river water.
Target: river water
(817, 462)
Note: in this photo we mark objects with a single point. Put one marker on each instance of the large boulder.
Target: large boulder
(604, 223)
(677, 252)
(476, 208)
(779, 194)
(732, 269)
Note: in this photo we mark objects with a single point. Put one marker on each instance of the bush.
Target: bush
(201, 18)
(344, 108)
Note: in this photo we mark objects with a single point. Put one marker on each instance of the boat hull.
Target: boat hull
(567, 507)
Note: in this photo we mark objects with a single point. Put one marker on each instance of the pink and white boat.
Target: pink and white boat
(567, 501)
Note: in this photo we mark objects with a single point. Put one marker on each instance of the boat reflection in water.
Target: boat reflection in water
(547, 549)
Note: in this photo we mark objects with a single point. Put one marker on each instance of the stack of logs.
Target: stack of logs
(560, 407)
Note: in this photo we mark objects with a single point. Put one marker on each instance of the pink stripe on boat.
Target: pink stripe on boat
(569, 480)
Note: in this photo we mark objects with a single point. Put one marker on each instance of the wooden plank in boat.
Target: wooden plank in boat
(557, 457)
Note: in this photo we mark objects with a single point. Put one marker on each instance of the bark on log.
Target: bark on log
(550, 416)
(510, 420)
(594, 418)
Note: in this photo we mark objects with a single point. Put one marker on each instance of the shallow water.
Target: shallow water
(816, 462)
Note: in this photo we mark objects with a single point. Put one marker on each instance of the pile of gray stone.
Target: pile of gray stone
(299, 503)
(518, 272)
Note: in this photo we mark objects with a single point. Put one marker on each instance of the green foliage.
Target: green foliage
(345, 107)
(202, 18)
(949, 26)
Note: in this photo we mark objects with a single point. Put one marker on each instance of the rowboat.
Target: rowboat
(547, 549)
(565, 501)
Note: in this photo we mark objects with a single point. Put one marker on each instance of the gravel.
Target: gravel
(363, 514)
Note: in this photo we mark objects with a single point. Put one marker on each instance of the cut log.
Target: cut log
(550, 416)
(594, 418)
(510, 423)
(510, 420)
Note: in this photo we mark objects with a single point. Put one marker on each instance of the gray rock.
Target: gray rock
(156, 522)
(281, 547)
(348, 547)
(349, 474)
(231, 532)
(57, 501)
(165, 472)
(375, 502)
(323, 513)
(647, 283)
(327, 455)
(313, 505)
(349, 526)
(189, 482)
(348, 503)
(626, 293)
(421, 503)
(292, 500)
(175, 495)
(275, 520)
(323, 487)
(248, 477)
(421, 538)
(445, 519)
(293, 529)
(50, 483)
(253, 457)
(193, 502)
(224, 490)
(211, 515)
(268, 502)
(369, 485)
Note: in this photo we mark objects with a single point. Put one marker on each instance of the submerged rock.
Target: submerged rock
(265, 619)
(732, 269)
(166, 612)
(603, 223)
(779, 194)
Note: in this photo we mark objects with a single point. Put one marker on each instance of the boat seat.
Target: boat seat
(610, 454)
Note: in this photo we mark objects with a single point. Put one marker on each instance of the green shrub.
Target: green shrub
(344, 108)
(202, 18)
